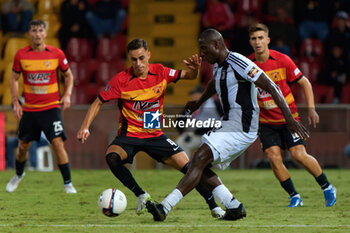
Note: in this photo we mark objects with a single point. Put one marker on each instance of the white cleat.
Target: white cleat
(141, 203)
(69, 188)
(217, 212)
(14, 182)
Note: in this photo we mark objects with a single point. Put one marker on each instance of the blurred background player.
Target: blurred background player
(274, 133)
(39, 64)
(235, 77)
(140, 90)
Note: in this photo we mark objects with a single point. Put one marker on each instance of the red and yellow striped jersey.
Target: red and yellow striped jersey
(282, 71)
(137, 96)
(40, 75)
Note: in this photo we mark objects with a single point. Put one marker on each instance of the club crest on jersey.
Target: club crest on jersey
(252, 72)
(151, 120)
(141, 105)
(38, 77)
(157, 89)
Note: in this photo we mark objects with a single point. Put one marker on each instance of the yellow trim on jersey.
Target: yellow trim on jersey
(35, 65)
(40, 105)
(270, 104)
(145, 94)
(263, 120)
(44, 89)
(131, 115)
(277, 74)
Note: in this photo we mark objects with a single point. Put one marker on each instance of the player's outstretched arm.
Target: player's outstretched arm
(94, 109)
(17, 108)
(193, 105)
(193, 63)
(294, 126)
(68, 87)
(313, 117)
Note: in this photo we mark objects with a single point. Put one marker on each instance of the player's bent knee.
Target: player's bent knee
(113, 159)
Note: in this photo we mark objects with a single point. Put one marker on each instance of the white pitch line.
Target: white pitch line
(170, 226)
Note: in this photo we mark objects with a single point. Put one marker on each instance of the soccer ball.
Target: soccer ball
(112, 202)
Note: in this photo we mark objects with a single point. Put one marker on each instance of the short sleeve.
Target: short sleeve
(63, 62)
(171, 75)
(111, 91)
(245, 67)
(293, 72)
(17, 64)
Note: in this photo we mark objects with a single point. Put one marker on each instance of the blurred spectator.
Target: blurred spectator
(340, 34)
(200, 6)
(240, 40)
(73, 21)
(283, 33)
(314, 18)
(218, 15)
(106, 18)
(335, 73)
(190, 138)
(17, 15)
(12, 144)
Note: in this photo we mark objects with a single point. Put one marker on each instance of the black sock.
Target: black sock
(20, 167)
(322, 181)
(65, 171)
(289, 187)
(208, 196)
(122, 173)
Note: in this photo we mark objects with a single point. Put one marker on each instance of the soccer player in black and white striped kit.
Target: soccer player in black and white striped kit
(235, 77)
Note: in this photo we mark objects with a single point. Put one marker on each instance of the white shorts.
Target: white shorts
(227, 146)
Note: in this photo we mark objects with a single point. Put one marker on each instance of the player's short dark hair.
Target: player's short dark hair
(136, 44)
(258, 27)
(37, 22)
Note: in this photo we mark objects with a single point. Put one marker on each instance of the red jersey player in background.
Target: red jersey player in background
(140, 91)
(39, 64)
(274, 134)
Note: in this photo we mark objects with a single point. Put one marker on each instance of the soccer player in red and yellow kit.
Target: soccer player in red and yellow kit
(39, 64)
(274, 134)
(140, 91)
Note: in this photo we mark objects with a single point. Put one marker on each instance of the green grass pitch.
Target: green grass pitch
(40, 204)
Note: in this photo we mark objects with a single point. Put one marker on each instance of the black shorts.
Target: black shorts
(48, 121)
(278, 135)
(158, 148)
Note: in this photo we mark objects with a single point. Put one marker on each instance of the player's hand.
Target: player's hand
(83, 135)
(313, 117)
(17, 110)
(191, 106)
(296, 127)
(194, 62)
(65, 100)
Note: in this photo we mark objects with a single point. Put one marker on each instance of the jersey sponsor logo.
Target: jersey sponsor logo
(262, 93)
(47, 64)
(157, 89)
(141, 105)
(151, 120)
(252, 72)
(172, 72)
(38, 77)
(296, 71)
(131, 98)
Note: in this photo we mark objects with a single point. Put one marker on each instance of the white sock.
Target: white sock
(224, 196)
(296, 195)
(171, 200)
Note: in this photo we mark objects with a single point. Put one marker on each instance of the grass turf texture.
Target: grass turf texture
(40, 204)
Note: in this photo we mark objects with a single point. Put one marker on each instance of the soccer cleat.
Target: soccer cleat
(330, 195)
(14, 182)
(235, 213)
(217, 212)
(295, 201)
(141, 203)
(69, 188)
(157, 210)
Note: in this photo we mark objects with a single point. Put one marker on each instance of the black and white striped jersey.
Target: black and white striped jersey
(234, 83)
